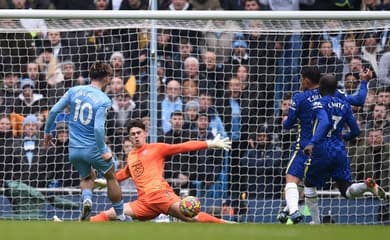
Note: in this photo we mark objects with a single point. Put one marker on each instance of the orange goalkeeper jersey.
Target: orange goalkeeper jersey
(145, 165)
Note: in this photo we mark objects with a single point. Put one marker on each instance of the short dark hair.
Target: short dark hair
(328, 84)
(176, 113)
(135, 123)
(312, 73)
(100, 70)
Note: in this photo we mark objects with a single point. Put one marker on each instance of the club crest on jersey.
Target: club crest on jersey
(138, 168)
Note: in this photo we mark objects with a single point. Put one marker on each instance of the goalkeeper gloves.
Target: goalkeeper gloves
(219, 143)
(100, 183)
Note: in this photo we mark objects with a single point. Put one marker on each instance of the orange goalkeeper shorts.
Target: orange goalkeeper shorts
(153, 204)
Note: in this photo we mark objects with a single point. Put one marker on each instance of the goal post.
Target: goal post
(221, 72)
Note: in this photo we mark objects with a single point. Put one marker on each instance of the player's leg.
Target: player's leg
(343, 178)
(354, 190)
(79, 161)
(295, 172)
(114, 193)
(110, 214)
(311, 200)
(113, 189)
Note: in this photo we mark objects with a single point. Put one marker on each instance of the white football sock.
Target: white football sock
(311, 200)
(292, 197)
(356, 190)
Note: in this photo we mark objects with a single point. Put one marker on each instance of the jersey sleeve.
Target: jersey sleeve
(123, 174)
(292, 113)
(358, 99)
(352, 124)
(321, 123)
(189, 146)
(58, 107)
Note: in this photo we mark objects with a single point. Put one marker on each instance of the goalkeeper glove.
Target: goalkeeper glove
(217, 142)
(100, 183)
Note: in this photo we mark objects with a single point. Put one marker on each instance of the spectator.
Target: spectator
(212, 72)
(70, 74)
(191, 112)
(176, 167)
(379, 120)
(263, 165)
(59, 171)
(383, 96)
(293, 5)
(10, 84)
(327, 61)
(205, 165)
(190, 90)
(33, 73)
(28, 102)
(185, 51)
(172, 102)
(371, 50)
(28, 166)
(180, 5)
(134, 5)
(252, 5)
(101, 5)
(122, 110)
(205, 4)
(206, 105)
(73, 4)
(350, 50)
(235, 109)
(351, 83)
(6, 147)
(232, 5)
(373, 159)
(240, 53)
(384, 70)
(116, 86)
(370, 5)
(117, 62)
(220, 40)
(191, 70)
(29, 23)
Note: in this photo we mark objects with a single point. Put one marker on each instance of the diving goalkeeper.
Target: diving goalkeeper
(145, 165)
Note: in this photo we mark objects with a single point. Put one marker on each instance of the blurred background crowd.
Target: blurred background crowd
(234, 83)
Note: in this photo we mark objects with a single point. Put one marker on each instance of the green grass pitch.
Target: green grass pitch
(41, 230)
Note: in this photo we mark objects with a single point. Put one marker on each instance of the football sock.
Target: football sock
(118, 207)
(101, 217)
(356, 190)
(292, 197)
(207, 218)
(86, 194)
(311, 200)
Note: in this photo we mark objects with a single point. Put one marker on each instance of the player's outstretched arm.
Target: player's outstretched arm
(219, 143)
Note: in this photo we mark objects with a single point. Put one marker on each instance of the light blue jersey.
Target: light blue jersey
(88, 108)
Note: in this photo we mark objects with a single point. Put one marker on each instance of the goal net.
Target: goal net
(227, 77)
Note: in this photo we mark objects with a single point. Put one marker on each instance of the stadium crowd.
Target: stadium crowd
(235, 83)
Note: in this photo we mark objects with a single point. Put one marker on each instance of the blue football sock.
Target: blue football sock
(86, 194)
(118, 207)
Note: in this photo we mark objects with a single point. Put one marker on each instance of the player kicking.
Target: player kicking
(300, 113)
(145, 165)
(87, 148)
(328, 156)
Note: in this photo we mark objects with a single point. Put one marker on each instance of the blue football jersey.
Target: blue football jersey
(300, 110)
(337, 113)
(88, 109)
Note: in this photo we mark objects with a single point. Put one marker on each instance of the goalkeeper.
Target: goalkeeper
(145, 165)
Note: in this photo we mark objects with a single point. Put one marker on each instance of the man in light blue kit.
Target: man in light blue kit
(87, 148)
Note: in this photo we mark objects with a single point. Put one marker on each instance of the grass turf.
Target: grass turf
(41, 230)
